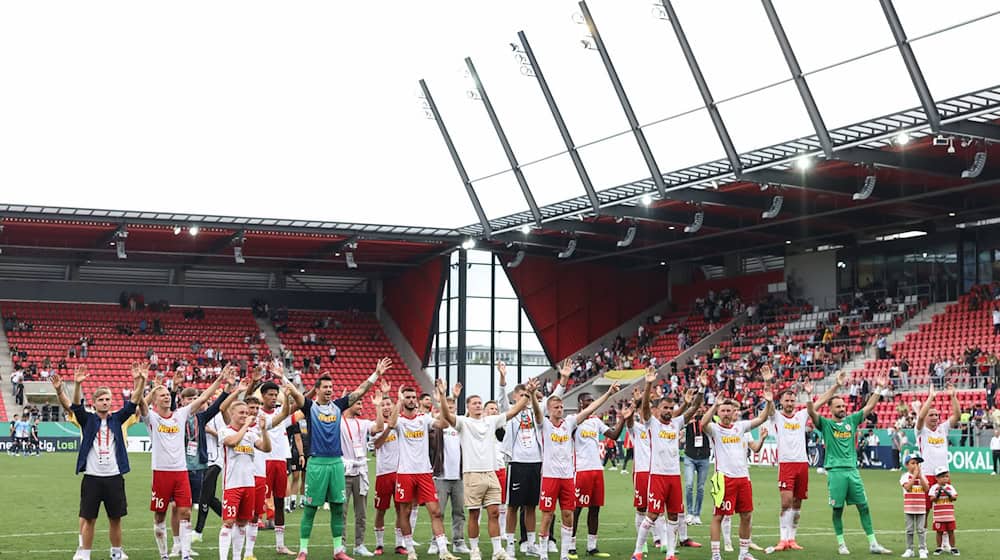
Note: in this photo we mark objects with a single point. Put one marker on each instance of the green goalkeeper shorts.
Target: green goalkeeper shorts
(325, 481)
(845, 487)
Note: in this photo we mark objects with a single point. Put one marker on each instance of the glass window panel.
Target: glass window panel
(478, 313)
(948, 75)
(451, 323)
(817, 30)
(479, 256)
(554, 180)
(504, 288)
(506, 310)
(684, 141)
(477, 381)
(614, 162)
(506, 340)
(766, 118)
(737, 54)
(576, 75)
(477, 337)
(870, 87)
(479, 278)
(920, 17)
(647, 58)
(500, 195)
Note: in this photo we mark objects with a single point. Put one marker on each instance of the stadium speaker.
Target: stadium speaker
(699, 220)
(120, 249)
(775, 208)
(349, 259)
(866, 189)
(238, 255)
(569, 250)
(518, 259)
(629, 237)
(978, 164)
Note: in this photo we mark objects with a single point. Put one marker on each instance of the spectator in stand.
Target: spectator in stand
(881, 343)
(995, 450)
(996, 319)
(333, 354)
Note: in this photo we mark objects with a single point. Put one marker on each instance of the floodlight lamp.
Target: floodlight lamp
(193, 230)
(663, 263)
(903, 138)
(978, 164)
(775, 208)
(951, 145)
(177, 230)
(525, 229)
(469, 244)
(518, 259)
(866, 189)
(629, 237)
(302, 271)
(569, 250)
(646, 199)
(841, 264)
(804, 163)
(699, 220)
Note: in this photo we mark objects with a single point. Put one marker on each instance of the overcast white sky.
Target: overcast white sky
(307, 109)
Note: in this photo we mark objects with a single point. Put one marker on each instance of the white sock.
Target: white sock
(251, 538)
(661, 529)
(532, 539)
(591, 542)
(225, 541)
(671, 537)
(639, 516)
(413, 520)
(279, 536)
(380, 537)
(497, 544)
(567, 542)
(79, 542)
(175, 542)
(239, 536)
(160, 534)
(399, 538)
(945, 541)
(682, 529)
(442, 542)
(185, 538)
(408, 542)
(794, 527)
(503, 518)
(642, 533)
(727, 530)
(85, 554)
(474, 543)
(744, 547)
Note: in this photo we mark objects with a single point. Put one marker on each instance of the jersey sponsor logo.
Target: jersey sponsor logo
(793, 426)
(663, 434)
(326, 417)
(413, 434)
(163, 429)
(732, 439)
(643, 435)
(390, 437)
(559, 438)
(838, 434)
(588, 434)
(243, 449)
(932, 440)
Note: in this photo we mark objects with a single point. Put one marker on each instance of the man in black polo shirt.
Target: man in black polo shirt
(696, 462)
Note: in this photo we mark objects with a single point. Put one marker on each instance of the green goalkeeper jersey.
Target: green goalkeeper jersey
(839, 437)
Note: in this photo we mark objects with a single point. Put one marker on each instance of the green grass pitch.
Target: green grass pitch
(40, 499)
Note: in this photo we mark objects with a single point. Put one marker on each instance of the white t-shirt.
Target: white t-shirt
(280, 448)
(996, 317)
(995, 443)
(452, 467)
(526, 446)
(167, 435)
(642, 452)
(665, 440)
(478, 439)
(414, 444)
(730, 453)
(557, 448)
(216, 454)
(790, 432)
(101, 461)
(934, 446)
(588, 444)
(387, 455)
(238, 467)
(354, 444)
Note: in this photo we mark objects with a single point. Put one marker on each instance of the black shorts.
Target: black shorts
(293, 465)
(109, 490)
(524, 484)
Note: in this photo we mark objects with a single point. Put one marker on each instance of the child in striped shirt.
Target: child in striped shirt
(914, 485)
(943, 496)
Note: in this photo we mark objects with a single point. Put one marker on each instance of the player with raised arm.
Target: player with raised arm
(325, 469)
(241, 442)
(665, 425)
(102, 457)
(590, 472)
(841, 462)
(414, 482)
(170, 478)
(477, 437)
(558, 471)
(789, 428)
(386, 446)
(731, 463)
(276, 460)
(932, 435)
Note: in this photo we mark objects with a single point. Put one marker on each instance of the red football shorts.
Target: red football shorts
(590, 488)
(260, 495)
(557, 491)
(167, 486)
(944, 526)
(502, 477)
(418, 488)
(738, 497)
(238, 503)
(277, 478)
(794, 478)
(665, 493)
(385, 486)
(931, 481)
(640, 480)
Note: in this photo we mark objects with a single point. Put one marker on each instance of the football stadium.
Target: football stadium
(564, 280)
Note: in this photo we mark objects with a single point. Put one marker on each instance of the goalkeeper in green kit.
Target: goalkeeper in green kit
(841, 463)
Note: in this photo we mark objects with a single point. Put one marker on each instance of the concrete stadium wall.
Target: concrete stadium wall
(813, 277)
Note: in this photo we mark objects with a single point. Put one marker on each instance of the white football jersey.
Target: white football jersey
(934, 446)
(280, 447)
(730, 453)
(587, 439)
(238, 466)
(557, 448)
(790, 432)
(387, 456)
(414, 444)
(665, 439)
(641, 446)
(167, 435)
